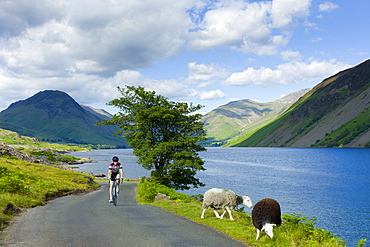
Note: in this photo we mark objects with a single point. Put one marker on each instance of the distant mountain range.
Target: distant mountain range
(238, 118)
(335, 113)
(56, 117)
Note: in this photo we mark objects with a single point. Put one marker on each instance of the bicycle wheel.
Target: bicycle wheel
(115, 194)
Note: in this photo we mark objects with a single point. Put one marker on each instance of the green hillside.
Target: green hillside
(228, 122)
(334, 113)
(55, 117)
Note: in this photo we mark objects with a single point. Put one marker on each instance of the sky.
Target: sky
(197, 51)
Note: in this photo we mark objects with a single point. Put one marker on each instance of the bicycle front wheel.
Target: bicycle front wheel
(115, 196)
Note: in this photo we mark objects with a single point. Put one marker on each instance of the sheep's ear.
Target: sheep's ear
(273, 224)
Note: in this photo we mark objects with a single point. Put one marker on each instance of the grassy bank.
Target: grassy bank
(25, 143)
(295, 231)
(25, 185)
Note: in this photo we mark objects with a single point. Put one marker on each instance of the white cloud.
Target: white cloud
(205, 74)
(284, 12)
(233, 24)
(288, 73)
(328, 6)
(88, 66)
(110, 35)
(211, 95)
(58, 38)
(173, 89)
(289, 55)
(252, 27)
(17, 16)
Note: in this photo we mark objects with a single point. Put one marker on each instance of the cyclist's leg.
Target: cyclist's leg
(117, 182)
(111, 182)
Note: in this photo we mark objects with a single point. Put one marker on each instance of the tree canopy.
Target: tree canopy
(163, 133)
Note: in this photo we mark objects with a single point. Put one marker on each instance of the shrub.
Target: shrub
(11, 182)
(147, 190)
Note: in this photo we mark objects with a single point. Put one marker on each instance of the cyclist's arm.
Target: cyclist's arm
(122, 174)
(109, 173)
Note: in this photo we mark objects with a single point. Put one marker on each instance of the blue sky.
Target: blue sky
(201, 51)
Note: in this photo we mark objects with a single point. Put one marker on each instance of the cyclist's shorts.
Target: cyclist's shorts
(113, 176)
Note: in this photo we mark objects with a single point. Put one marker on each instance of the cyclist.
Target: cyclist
(115, 171)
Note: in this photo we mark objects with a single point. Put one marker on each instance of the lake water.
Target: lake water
(330, 184)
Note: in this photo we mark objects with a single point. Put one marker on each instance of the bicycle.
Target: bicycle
(115, 192)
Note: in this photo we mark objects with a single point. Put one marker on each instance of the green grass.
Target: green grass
(25, 143)
(254, 138)
(295, 231)
(347, 132)
(25, 185)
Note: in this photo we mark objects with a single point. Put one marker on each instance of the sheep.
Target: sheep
(223, 199)
(265, 215)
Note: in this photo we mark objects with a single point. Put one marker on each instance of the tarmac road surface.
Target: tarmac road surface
(90, 220)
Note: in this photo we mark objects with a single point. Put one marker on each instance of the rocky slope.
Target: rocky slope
(238, 118)
(335, 113)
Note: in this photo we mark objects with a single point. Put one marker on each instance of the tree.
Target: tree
(163, 133)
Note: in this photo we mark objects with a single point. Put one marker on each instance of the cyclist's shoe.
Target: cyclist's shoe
(110, 200)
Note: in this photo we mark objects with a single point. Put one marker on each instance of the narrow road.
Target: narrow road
(89, 220)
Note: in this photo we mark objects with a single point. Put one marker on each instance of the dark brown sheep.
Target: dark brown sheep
(265, 215)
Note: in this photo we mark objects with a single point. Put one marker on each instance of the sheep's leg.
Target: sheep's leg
(216, 213)
(202, 216)
(229, 211)
(258, 234)
(223, 213)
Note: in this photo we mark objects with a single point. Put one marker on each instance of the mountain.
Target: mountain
(56, 117)
(238, 118)
(97, 112)
(335, 113)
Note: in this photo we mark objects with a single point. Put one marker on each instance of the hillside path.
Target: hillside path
(90, 220)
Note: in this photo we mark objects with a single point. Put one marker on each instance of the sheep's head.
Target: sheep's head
(268, 228)
(247, 201)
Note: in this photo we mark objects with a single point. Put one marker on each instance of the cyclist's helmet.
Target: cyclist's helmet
(115, 159)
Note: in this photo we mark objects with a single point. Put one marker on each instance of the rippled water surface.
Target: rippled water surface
(332, 185)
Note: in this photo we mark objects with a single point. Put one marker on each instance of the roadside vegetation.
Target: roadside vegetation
(25, 185)
(297, 230)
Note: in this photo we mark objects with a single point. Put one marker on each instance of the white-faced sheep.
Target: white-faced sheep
(223, 199)
(265, 215)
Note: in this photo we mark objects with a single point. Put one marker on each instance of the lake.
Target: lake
(330, 184)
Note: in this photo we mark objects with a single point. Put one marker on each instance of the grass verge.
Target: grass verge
(295, 231)
(25, 185)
